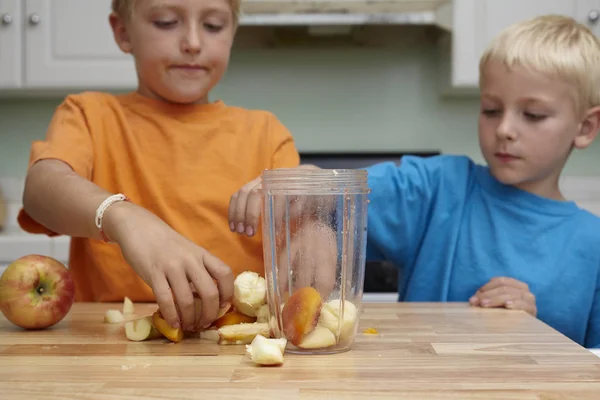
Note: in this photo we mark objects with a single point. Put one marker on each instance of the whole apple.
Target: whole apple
(36, 292)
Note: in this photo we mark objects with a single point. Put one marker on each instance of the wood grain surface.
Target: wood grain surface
(421, 351)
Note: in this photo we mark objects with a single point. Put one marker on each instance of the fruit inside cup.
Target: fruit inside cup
(309, 323)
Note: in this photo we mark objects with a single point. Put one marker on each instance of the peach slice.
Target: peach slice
(319, 338)
(173, 334)
(141, 329)
(236, 334)
(301, 314)
(233, 318)
(198, 310)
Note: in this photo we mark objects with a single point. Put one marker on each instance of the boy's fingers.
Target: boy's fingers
(521, 304)
(165, 301)
(231, 212)
(241, 204)
(209, 294)
(223, 274)
(326, 250)
(184, 298)
(499, 296)
(253, 210)
(504, 281)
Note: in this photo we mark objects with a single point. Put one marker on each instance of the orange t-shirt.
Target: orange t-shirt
(183, 163)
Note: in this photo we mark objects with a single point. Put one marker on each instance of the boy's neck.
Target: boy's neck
(145, 92)
(547, 188)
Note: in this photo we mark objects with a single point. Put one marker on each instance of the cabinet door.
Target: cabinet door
(10, 44)
(476, 22)
(588, 12)
(69, 45)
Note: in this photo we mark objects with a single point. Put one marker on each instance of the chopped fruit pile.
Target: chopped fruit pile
(307, 321)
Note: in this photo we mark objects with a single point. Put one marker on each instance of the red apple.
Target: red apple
(36, 292)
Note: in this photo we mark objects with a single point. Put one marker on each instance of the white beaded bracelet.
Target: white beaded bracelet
(103, 207)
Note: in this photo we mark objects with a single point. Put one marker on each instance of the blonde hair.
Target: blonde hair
(555, 46)
(124, 8)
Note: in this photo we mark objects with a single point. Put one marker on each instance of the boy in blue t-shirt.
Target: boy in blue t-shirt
(501, 235)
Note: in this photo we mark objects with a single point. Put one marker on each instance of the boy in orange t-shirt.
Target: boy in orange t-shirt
(176, 157)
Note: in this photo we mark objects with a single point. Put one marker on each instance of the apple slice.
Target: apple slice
(236, 334)
(330, 318)
(128, 307)
(319, 338)
(113, 317)
(249, 293)
(233, 318)
(264, 351)
(173, 334)
(300, 314)
(141, 329)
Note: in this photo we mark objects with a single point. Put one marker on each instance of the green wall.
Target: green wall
(348, 99)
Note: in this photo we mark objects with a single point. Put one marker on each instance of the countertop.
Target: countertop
(421, 351)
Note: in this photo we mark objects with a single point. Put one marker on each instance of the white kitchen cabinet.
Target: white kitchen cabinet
(69, 44)
(10, 44)
(474, 23)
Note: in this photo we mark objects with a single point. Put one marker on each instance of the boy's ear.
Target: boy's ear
(589, 128)
(120, 32)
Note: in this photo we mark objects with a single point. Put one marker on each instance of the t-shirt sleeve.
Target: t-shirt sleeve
(399, 203)
(285, 154)
(67, 139)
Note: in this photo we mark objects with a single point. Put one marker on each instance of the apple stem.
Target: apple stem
(40, 290)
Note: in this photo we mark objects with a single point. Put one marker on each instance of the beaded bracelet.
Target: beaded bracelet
(102, 208)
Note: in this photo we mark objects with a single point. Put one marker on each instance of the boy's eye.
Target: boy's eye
(213, 27)
(490, 112)
(533, 116)
(164, 24)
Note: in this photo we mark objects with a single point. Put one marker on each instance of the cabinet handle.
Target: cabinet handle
(34, 19)
(593, 16)
(7, 19)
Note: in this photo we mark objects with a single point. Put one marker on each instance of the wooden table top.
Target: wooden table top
(422, 351)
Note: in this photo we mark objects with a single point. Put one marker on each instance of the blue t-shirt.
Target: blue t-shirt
(451, 227)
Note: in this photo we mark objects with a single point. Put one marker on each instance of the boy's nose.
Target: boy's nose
(192, 41)
(507, 129)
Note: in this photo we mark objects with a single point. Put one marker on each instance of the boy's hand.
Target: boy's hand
(505, 292)
(166, 260)
(245, 206)
(313, 255)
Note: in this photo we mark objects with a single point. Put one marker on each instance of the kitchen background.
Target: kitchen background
(386, 95)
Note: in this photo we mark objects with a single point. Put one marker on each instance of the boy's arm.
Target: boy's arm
(60, 197)
(64, 202)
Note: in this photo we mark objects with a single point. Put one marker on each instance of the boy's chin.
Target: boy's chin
(182, 96)
(507, 177)
(186, 97)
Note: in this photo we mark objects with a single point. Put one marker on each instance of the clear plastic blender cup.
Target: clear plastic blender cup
(314, 233)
